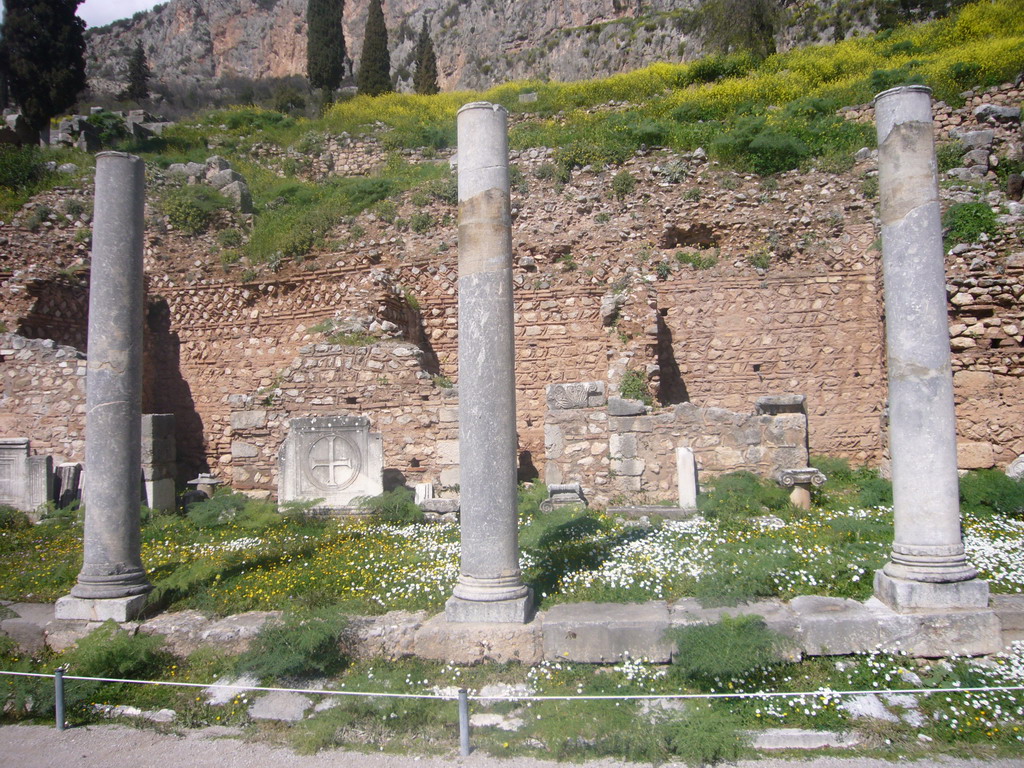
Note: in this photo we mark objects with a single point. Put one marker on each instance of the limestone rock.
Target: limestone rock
(221, 179)
(238, 193)
(280, 705)
(993, 113)
(182, 630)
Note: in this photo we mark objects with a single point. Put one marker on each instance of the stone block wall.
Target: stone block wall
(814, 333)
(634, 456)
(42, 395)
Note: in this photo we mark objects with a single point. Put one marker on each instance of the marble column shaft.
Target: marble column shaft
(922, 424)
(490, 586)
(112, 566)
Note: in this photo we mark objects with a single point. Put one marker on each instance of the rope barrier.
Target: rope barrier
(828, 692)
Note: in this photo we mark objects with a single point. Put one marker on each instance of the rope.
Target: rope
(530, 697)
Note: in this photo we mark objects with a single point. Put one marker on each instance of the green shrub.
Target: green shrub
(190, 209)
(445, 189)
(37, 217)
(634, 386)
(965, 222)
(762, 148)
(560, 174)
(623, 184)
(986, 491)
(741, 494)
(20, 167)
(697, 260)
(707, 736)
(531, 496)
(875, 491)
(229, 238)
(12, 519)
(386, 211)
(108, 652)
(110, 128)
(395, 507)
(300, 644)
(948, 155)
(421, 222)
(706, 653)
(220, 509)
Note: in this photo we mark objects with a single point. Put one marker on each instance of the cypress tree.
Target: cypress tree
(325, 46)
(138, 74)
(374, 76)
(424, 80)
(43, 50)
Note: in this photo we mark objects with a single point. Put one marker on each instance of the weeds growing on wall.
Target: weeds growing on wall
(967, 222)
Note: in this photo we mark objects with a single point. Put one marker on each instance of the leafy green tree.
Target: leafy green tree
(424, 80)
(138, 74)
(374, 76)
(738, 25)
(42, 46)
(325, 46)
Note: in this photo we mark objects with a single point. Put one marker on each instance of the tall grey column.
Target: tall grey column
(490, 586)
(112, 582)
(928, 568)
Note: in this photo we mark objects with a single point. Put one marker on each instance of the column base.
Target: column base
(515, 611)
(903, 595)
(120, 609)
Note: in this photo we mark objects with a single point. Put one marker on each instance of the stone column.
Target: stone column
(928, 568)
(490, 586)
(112, 583)
(686, 472)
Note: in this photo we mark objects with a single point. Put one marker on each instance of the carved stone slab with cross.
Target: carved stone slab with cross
(334, 458)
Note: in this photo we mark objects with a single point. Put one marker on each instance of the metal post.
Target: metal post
(58, 692)
(464, 748)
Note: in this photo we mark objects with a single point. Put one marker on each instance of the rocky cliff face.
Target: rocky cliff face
(192, 43)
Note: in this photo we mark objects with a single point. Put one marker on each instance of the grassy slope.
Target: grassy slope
(763, 117)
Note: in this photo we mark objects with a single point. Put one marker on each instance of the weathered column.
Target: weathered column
(490, 586)
(112, 583)
(928, 568)
(686, 472)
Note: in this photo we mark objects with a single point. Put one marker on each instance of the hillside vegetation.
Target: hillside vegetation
(762, 117)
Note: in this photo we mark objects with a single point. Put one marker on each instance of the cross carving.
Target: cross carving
(330, 466)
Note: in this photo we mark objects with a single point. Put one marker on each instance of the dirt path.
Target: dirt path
(118, 746)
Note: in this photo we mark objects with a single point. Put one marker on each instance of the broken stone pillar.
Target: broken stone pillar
(490, 586)
(928, 568)
(112, 583)
(158, 461)
(800, 482)
(686, 470)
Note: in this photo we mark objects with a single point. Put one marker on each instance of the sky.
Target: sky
(96, 13)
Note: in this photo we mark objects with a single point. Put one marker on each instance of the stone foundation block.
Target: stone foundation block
(120, 609)
(904, 595)
(602, 632)
(474, 642)
(516, 611)
(833, 626)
